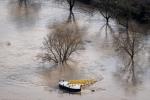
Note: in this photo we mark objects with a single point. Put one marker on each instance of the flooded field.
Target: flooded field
(24, 77)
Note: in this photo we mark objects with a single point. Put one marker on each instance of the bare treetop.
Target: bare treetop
(61, 43)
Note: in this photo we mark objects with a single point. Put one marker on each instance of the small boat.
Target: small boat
(69, 87)
(74, 85)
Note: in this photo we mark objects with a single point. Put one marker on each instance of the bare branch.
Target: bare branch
(62, 42)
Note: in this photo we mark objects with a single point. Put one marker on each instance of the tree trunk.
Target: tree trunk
(71, 7)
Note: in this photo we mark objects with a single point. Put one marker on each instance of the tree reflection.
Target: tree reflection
(52, 75)
(108, 30)
(24, 17)
(71, 18)
(128, 43)
(23, 2)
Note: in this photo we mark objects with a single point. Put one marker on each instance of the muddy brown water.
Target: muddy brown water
(23, 77)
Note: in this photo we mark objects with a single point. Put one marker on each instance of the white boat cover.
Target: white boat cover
(67, 84)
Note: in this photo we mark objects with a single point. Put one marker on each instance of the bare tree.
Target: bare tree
(61, 43)
(71, 4)
(123, 14)
(105, 7)
(129, 43)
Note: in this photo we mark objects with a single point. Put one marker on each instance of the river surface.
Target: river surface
(24, 77)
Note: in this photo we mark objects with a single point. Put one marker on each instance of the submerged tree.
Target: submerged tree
(129, 44)
(106, 8)
(71, 4)
(61, 43)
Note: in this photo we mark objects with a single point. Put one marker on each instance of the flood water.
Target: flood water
(24, 77)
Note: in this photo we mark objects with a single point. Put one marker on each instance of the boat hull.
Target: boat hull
(68, 89)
